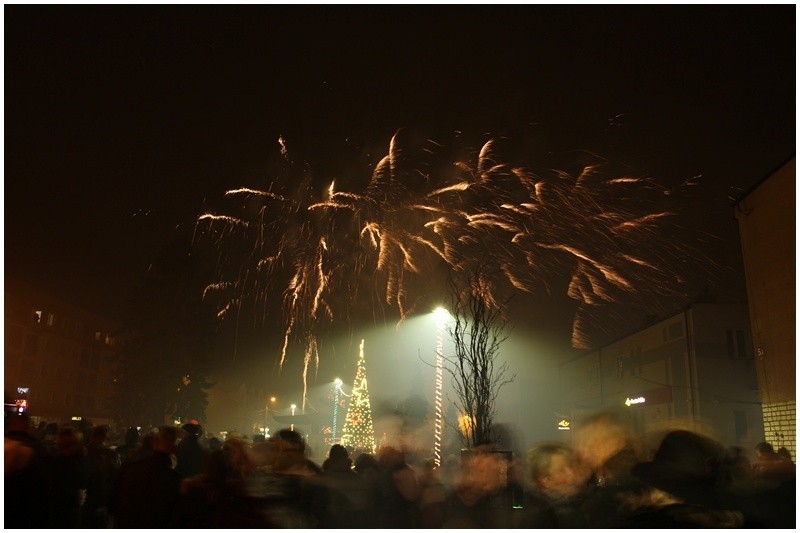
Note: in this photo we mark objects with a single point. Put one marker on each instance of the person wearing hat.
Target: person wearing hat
(686, 486)
(191, 455)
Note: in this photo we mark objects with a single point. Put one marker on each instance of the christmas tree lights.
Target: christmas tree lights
(358, 431)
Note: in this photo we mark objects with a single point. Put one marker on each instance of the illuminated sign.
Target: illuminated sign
(632, 401)
(77, 418)
(564, 424)
(23, 390)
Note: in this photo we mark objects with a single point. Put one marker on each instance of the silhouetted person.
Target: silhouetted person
(349, 502)
(785, 453)
(101, 466)
(767, 459)
(129, 447)
(398, 490)
(283, 488)
(145, 491)
(608, 448)
(478, 496)
(49, 440)
(557, 488)
(432, 495)
(685, 486)
(205, 500)
(27, 476)
(191, 454)
(69, 479)
(769, 499)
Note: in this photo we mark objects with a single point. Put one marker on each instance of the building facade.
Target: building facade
(766, 218)
(694, 370)
(57, 355)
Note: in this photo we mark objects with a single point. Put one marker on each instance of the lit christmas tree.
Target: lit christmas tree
(358, 431)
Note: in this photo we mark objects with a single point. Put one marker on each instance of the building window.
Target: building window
(98, 335)
(37, 317)
(51, 319)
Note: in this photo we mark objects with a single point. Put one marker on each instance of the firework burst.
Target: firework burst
(381, 244)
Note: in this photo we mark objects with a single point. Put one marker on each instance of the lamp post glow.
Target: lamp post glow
(270, 400)
(337, 389)
(440, 315)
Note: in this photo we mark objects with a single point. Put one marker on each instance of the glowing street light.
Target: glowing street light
(440, 316)
(267, 409)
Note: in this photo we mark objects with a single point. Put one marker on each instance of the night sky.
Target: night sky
(123, 124)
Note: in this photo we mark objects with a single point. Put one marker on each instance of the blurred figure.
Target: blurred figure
(214, 444)
(608, 449)
(145, 448)
(49, 440)
(129, 447)
(767, 459)
(369, 472)
(477, 499)
(785, 454)
(398, 490)
(146, 490)
(769, 499)
(737, 467)
(27, 476)
(348, 499)
(282, 488)
(101, 467)
(685, 486)
(69, 479)
(215, 498)
(558, 484)
(432, 494)
(191, 454)
(338, 460)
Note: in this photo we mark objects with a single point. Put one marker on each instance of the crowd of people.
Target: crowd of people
(171, 477)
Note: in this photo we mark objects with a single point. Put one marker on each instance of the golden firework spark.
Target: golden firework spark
(514, 225)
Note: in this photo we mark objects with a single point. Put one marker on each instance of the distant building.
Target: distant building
(60, 353)
(693, 370)
(766, 217)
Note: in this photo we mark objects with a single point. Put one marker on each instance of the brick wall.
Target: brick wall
(780, 425)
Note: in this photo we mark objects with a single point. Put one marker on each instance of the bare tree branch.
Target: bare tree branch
(479, 329)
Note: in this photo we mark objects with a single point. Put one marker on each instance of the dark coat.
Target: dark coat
(144, 493)
(191, 456)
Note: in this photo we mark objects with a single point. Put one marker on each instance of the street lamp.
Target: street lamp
(337, 383)
(267, 410)
(440, 316)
